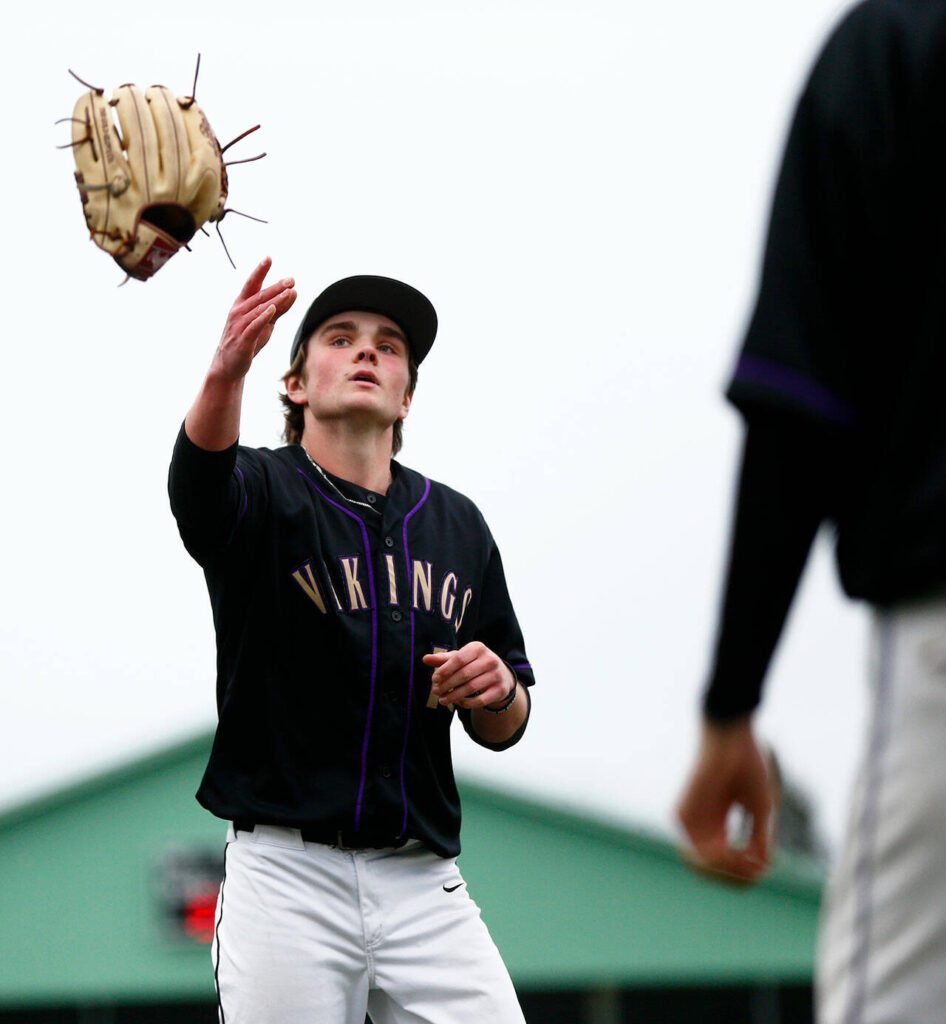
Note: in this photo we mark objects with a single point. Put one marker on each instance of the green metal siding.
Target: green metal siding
(574, 903)
(571, 902)
(78, 920)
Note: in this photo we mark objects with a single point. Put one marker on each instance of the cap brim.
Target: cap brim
(410, 309)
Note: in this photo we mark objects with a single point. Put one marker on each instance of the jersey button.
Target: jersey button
(389, 542)
(385, 771)
(397, 616)
(372, 499)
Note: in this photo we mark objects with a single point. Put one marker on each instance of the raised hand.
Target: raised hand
(213, 422)
(250, 322)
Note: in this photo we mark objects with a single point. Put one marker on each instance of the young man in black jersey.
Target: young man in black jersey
(358, 606)
(840, 383)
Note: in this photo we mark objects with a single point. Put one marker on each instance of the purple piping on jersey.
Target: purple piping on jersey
(246, 497)
(410, 669)
(758, 370)
(523, 664)
(374, 640)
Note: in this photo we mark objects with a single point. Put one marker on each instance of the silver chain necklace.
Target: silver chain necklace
(340, 493)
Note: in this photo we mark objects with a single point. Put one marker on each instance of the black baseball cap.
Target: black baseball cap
(406, 306)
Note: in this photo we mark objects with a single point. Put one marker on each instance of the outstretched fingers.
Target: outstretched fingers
(255, 281)
(239, 345)
(285, 299)
(246, 333)
(269, 306)
(254, 304)
(261, 321)
(260, 330)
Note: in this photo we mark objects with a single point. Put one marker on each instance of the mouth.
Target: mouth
(365, 377)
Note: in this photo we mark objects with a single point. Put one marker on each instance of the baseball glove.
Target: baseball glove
(147, 188)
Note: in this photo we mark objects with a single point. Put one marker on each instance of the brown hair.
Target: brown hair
(295, 417)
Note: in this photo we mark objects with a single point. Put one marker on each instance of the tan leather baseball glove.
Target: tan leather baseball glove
(149, 186)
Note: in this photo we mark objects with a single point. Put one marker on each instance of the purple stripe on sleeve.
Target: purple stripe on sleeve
(522, 664)
(374, 640)
(410, 669)
(246, 497)
(769, 374)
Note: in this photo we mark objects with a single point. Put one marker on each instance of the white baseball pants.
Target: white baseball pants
(309, 934)
(882, 956)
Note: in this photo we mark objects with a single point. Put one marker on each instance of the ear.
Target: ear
(405, 406)
(295, 389)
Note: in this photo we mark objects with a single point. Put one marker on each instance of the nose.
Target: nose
(366, 353)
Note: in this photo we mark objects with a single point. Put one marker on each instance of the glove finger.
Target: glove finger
(101, 168)
(174, 156)
(206, 176)
(141, 141)
(96, 145)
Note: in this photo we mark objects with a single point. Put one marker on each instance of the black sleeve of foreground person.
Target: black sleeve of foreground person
(783, 495)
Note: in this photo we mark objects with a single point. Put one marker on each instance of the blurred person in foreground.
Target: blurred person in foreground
(840, 382)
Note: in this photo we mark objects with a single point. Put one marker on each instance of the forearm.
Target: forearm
(213, 422)
(783, 496)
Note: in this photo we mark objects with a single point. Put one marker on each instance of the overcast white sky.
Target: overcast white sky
(581, 189)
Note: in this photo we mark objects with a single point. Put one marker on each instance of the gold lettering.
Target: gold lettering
(467, 597)
(423, 579)
(356, 596)
(392, 578)
(310, 586)
(448, 596)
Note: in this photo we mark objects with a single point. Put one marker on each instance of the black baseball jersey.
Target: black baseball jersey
(325, 598)
(849, 330)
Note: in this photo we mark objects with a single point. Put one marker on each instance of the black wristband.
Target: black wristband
(509, 700)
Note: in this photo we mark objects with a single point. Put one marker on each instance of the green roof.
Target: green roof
(572, 901)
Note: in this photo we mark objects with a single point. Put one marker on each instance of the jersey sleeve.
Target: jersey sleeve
(498, 628)
(217, 498)
(804, 345)
(784, 493)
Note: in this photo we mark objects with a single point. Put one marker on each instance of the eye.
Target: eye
(385, 347)
(340, 341)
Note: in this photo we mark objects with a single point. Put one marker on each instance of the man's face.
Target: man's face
(356, 368)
